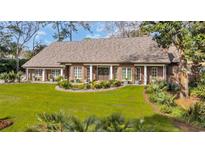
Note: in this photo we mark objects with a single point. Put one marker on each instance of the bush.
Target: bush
(87, 86)
(116, 83)
(165, 109)
(8, 65)
(173, 87)
(18, 76)
(199, 92)
(11, 76)
(78, 86)
(156, 86)
(4, 76)
(105, 84)
(163, 98)
(64, 84)
(196, 113)
(59, 78)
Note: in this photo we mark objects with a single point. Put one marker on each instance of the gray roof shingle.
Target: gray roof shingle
(111, 50)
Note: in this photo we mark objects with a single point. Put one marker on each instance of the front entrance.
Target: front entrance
(103, 73)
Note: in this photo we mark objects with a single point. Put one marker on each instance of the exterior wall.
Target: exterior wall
(171, 72)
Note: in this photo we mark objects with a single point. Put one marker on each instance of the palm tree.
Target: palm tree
(59, 122)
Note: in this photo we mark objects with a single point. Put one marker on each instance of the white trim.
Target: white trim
(164, 72)
(78, 72)
(154, 67)
(102, 64)
(91, 72)
(61, 72)
(149, 64)
(111, 72)
(145, 74)
(43, 74)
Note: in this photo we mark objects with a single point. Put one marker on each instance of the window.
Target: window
(55, 72)
(88, 73)
(78, 72)
(154, 72)
(38, 72)
(115, 72)
(126, 73)
(138, 70)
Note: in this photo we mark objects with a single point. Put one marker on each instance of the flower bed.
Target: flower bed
(91, 86)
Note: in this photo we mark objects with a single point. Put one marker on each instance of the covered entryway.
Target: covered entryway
(103, 73)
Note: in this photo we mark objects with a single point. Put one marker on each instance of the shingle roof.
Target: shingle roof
(111, 50)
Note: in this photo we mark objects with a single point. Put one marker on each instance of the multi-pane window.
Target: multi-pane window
(115, 72)
(88, 73)
(38, 72)
(55, 72)
(126, 73)
(138, 70)
(78, 72)
(154, 72)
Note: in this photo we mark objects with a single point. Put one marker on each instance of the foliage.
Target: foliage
(199, 91)
(105, 84)
(8, 65)
(163, 98)
(78, 86)
(165, 109)
(60, 122)
(173, 87)
(156, 86)
(196, 113)
(116, 83)
(30, 99)
(11, 76)
(65, 84)
(59, 78)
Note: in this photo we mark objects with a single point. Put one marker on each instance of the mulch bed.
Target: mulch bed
(4, 123)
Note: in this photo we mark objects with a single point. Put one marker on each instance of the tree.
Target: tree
(21, 33)
(183, 35)
(124, 29)
(65, 29)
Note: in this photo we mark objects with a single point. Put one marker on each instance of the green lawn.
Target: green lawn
(22, 102)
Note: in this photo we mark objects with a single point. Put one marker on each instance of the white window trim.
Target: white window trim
(37, 73)
(140, 73)
(156, 72)
(126, 73)
(77, 75)
(54, 72)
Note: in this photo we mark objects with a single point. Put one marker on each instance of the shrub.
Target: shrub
(96, 85)
(196, 114)
(77, 81)
(64, 84)
(59, 78)
(4, 76)
(173, 87)
(78, 86)
(199, 92)
(87, 86)
(18, 76)
(105, 84)
(116, 83)
(163, 98)
(165, 109)
(11, 76)
(156, 86)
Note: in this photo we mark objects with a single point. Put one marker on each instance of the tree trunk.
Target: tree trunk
(17, 60)
(183, 78)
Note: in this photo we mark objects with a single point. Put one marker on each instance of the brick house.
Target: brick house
(138, 60)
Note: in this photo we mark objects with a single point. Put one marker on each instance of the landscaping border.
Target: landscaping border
(87, 90)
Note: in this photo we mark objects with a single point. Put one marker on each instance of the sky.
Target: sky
(45, 35)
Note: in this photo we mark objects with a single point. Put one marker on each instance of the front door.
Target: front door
(103, 73)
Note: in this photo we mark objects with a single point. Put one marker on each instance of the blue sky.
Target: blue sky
(45, 35)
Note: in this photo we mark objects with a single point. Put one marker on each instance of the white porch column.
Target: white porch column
(145, 74)
(91, 72)
(164, 72)
(27, 74)
(43, 75)
(111, 72)
(61, 72)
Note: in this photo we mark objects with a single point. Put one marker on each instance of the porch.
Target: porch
(134, 73)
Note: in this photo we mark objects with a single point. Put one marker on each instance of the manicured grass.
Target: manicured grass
(22, 102)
